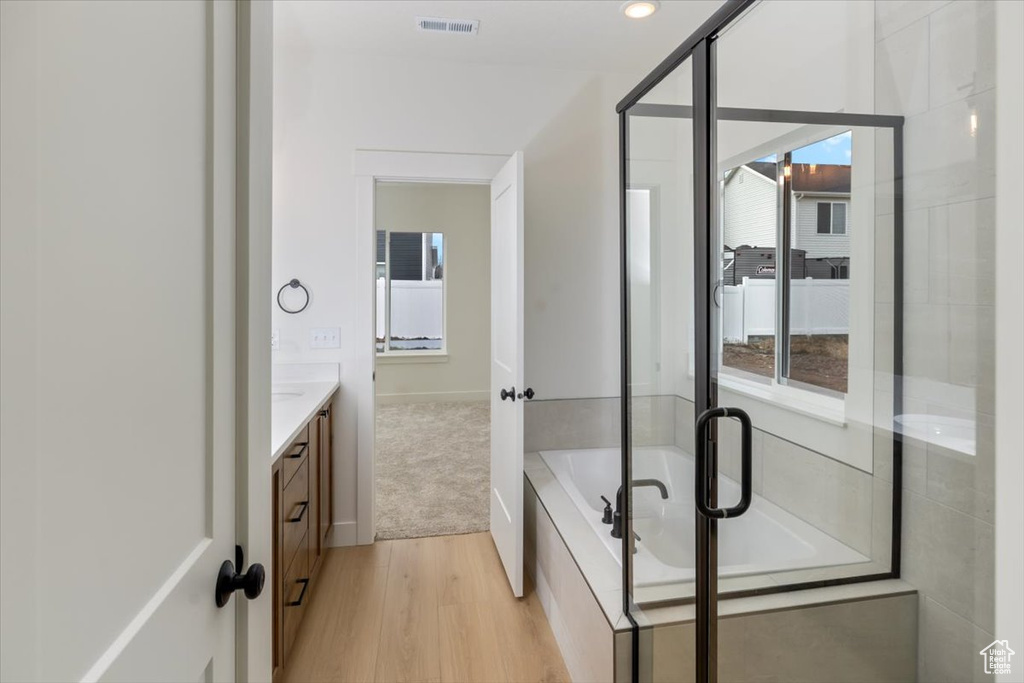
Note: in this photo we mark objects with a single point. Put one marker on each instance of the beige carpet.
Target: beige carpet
(433, 469)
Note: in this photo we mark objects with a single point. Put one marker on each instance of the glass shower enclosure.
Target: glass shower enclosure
(761, 201)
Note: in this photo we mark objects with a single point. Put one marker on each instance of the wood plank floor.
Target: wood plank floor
(424, 609)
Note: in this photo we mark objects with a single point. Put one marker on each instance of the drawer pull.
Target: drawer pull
(302, 595)
(302, 513)
(301, 453)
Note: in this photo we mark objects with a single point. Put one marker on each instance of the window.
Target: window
(831, 218)
(785, 294)
(750, 236)
(410, 292)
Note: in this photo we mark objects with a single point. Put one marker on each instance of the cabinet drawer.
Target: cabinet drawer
(296, 512)
(294, 457)
(295, 593)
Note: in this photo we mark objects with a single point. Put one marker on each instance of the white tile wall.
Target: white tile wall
(584, 635)
(945, 640)
(901, 87)
(961, 50)
(935, 64)
(832, 496)
(864, 640)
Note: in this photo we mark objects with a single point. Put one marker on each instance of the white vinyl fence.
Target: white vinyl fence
(417, 309)
(816, 307)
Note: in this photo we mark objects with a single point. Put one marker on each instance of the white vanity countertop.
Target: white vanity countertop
(293, 404)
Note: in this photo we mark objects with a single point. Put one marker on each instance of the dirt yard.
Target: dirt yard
(820, 360)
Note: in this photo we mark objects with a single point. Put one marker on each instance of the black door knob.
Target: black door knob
(508, 394)
(528, 394)
(228, 581)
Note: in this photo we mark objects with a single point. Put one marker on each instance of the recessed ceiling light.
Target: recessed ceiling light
(640, 9)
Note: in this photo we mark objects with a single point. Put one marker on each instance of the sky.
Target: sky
(834, 150)
(437, 239)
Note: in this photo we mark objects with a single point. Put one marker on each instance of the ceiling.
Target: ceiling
(568, 34)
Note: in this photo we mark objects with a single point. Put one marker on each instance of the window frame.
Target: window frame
(825, 404)
(387, 354)
(832, 216)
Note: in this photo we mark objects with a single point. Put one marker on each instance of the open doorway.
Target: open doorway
(432, 342)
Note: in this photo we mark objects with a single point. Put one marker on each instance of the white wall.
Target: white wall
(1009, 466)
(935, 64)
(21, 39)
(462, 214)
(326, 105)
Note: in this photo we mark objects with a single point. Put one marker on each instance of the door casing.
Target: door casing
(369, 167)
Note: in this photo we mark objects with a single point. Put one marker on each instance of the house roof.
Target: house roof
(809, 177)
(765, 168)
(821, 178)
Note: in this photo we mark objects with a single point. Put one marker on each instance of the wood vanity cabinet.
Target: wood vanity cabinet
(301, 481)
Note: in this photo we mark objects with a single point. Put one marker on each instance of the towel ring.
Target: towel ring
(294, 284)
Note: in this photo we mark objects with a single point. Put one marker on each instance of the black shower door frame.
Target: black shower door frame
(700, 47)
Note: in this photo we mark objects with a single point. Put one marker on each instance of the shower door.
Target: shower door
(761, 307)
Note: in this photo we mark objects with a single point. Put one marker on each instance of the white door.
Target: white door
(118, 318)
(507, 368)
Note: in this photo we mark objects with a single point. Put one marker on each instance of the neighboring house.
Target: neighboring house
(820, 203)
(749, 201)
(821, 209)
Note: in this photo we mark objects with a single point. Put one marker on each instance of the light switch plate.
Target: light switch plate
(325, 337)
(275, 339)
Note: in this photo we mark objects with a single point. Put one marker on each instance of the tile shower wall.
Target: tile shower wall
(874, 644)
(571, 423)
(935, 64)
(841, 500)
(595, 423)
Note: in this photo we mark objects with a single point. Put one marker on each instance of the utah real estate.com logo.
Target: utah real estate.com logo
(997, 657)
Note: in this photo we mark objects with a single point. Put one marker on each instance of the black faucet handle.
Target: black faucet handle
(607, 517)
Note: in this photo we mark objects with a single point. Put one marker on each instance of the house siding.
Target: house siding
(749, 215)
(805, 233)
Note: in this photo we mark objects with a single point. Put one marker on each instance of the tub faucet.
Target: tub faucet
(637, 483)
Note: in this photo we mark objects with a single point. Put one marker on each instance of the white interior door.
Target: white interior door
(118, 318)
(507, 368)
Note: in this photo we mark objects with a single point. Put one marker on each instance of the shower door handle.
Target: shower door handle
(701, 465)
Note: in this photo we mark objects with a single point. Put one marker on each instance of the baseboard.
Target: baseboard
(343, 534)
(435, 397)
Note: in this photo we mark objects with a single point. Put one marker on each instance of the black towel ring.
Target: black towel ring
(294, 284)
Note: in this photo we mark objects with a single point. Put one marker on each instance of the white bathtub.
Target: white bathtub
(765, 539)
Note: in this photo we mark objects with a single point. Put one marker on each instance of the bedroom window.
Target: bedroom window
(410, 292)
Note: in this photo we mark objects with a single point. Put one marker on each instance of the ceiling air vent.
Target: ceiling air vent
(464, 27)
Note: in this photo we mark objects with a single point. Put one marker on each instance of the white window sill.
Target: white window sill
(818, 406)
(400, 357)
